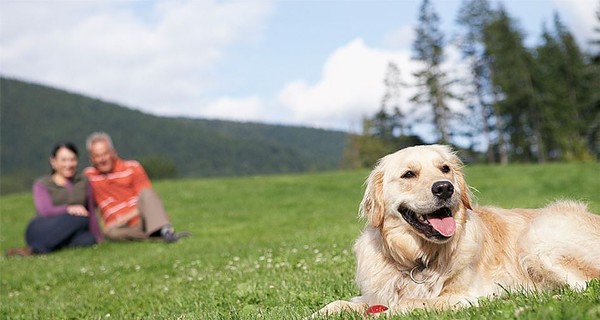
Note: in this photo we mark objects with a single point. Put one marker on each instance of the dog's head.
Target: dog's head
(422, 185)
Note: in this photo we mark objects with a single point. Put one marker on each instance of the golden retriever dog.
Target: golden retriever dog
(426, 246)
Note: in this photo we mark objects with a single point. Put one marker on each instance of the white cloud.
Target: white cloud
(351, 87)
(157, 55)
(242, 109)
(401, 38)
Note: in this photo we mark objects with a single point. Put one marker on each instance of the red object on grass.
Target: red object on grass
(377, 308)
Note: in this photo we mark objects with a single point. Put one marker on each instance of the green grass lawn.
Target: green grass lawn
(272, 247)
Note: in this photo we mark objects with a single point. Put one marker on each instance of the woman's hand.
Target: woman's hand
(77, 210)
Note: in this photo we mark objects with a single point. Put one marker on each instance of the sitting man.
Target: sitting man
(131, 209)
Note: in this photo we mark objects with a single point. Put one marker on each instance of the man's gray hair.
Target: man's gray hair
(98, 136)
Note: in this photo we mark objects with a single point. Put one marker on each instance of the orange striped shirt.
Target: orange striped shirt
(116, 193)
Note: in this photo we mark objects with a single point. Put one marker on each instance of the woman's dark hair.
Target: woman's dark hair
(59, 146)
(67, 145)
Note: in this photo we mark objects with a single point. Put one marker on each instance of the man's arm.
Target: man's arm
(140, 178)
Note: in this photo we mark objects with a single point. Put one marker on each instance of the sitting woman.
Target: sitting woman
(65, 208)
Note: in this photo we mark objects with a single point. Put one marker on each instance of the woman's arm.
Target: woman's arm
(43, 202)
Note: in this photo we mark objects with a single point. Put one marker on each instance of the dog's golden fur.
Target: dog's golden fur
(437, 264)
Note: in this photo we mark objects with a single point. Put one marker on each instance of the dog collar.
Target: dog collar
(419, 267)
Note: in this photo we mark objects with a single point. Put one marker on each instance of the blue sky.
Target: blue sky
(313, 63)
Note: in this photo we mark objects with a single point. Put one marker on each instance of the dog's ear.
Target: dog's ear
(372, 206)
(465, 192)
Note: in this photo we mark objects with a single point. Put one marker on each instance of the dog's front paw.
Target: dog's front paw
(339, 306)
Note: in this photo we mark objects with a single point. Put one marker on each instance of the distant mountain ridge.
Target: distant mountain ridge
(34, 117)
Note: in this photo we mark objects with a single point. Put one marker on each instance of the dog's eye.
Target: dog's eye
(445, 168)
(408, 175)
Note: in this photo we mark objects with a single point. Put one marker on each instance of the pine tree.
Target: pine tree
(592, 111)
(564, 92)
(474, 16)
(433, 87)
(391, 99)
(514, 89)
(596, 41)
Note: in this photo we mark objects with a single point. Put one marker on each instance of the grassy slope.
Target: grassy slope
(276, 247)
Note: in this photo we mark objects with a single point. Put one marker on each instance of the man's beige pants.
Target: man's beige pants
(152, 218)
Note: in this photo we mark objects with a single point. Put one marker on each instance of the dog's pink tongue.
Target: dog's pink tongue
(446, 225)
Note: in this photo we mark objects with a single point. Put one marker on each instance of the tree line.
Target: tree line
(519, 103)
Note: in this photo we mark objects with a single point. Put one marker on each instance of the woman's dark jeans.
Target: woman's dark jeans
(47, 234)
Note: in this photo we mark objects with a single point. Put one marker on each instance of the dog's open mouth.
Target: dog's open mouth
(439, 224)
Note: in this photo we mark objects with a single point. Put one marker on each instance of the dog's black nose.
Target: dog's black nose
(442, 189)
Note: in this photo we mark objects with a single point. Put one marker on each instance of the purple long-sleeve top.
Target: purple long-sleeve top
(52, 200)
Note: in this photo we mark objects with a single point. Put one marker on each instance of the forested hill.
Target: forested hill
(35, 117)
